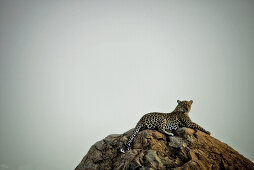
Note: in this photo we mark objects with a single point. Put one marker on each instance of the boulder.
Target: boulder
(188, 149)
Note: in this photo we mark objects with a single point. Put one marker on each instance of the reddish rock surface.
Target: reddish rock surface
(188, 149)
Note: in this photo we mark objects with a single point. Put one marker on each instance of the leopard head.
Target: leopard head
(183, 106)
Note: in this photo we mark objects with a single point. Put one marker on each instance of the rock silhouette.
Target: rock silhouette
(188, 149)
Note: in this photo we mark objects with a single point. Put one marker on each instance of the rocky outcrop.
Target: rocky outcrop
(188, 149)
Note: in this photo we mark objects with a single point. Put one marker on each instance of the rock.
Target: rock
(188, 149)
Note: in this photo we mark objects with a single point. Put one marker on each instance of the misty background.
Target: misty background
(73, 72)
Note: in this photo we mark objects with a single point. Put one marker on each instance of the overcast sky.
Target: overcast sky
(73, 72)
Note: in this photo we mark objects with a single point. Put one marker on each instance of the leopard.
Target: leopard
(166, 123)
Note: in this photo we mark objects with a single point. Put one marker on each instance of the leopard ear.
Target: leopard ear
(178, 101)
(191, 101)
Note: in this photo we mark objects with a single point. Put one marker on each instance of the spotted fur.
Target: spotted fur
(166, 122)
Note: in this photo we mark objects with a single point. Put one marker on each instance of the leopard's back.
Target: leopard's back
(152, 120)
(156, 120)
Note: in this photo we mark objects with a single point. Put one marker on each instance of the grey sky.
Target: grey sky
(73, 72)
